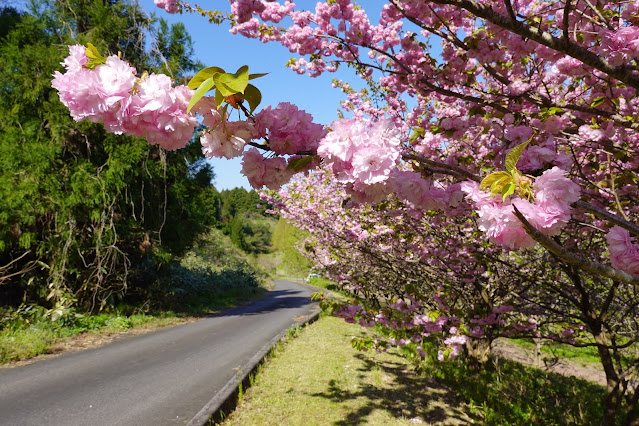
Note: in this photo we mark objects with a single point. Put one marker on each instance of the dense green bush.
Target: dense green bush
(80, 209)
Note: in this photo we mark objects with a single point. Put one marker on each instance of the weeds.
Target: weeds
(504, 392)
(199, 284)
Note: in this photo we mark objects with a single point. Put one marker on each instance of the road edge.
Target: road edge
(226, 399)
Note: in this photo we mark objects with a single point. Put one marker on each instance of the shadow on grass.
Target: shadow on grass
(505, 392)
(398, 390)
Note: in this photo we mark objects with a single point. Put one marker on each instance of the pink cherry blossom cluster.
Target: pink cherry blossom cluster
(549, 214)
(425, 194)
(261, 171)
(349, 241)
(111, 93)
(624, 255)
(228, 139)
(170, 6)
(288, 129)
(362, 157)
(267, 10)
(621, 46)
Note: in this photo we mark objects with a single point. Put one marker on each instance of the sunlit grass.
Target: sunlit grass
(20, 340)
(319, 379)
(587, 356)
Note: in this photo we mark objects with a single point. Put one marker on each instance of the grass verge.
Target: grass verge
(319, 379)
(21, 340)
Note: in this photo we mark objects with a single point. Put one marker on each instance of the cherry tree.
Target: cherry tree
(506, 129)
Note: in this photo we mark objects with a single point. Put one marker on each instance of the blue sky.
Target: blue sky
(214, 46)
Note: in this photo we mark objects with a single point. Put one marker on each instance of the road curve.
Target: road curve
(160, 378)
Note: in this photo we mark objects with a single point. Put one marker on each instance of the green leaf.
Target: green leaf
(513, 156)
(204, 75)
(253, 96)
(231, 84)
(92, 63)
(219, 97)
(490, 180)
(221, 87)
(498, 185)
(92, 52)
(207, 85)
(416, 134)
(597, 101)
(253, 76)
(94, 56)
(507, 189)
(298, 164)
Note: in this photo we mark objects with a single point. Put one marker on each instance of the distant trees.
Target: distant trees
(243, 221)
(80, 208)
(287, 240)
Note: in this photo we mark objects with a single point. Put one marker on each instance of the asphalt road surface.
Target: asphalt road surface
(160, 378)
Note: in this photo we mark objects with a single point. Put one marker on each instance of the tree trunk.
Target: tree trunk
(478, 351)
(537, 352)
(614, 394)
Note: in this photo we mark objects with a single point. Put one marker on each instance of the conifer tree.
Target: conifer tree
(80, 208)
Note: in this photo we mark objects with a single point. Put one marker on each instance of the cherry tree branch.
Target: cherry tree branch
(572, 258)
(547, 39)
(457, 171)
(443, 167)
(629, 226)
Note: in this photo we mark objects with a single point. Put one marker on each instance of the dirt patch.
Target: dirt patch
(94, 339)
(592, 373)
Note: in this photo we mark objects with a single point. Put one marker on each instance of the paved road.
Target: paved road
(161, 378)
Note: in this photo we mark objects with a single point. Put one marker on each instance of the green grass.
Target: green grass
(22, 338)
(582, 355)
(324, 283)
(319, 379)
(17, 345)
(505, 392)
